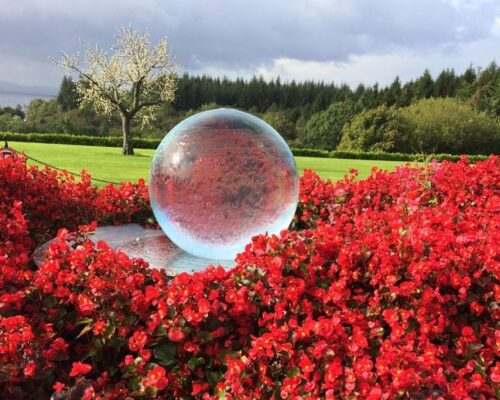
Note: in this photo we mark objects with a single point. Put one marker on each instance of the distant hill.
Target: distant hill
(14, 88)
(12, 94)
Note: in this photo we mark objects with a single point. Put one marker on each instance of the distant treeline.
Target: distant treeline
(451, 113)
(260, 95)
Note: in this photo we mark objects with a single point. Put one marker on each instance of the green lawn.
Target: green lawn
(108, 164)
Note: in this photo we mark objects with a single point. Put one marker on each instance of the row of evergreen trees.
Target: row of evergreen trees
(260, 95)
(310, 114)
(481, 86)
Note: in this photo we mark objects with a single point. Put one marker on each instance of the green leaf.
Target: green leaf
(50, 301)
(109, 331)
(128, 371)
(324, 284)
(165, 353)
(475, 347)
(89, 354)
(195, 362)
(293, 372)
(113, 370)
(204, 336)
(151, 392)
(222, 396)
(84, 330)
(213, 377)
(160, 331)
(130, 319)
(4, 376)
(84, 321)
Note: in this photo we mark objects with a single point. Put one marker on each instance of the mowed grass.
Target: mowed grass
(108, 164)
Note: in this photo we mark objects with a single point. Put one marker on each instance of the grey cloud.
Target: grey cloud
(245, 33)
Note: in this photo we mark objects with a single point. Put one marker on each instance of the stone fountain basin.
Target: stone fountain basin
(149, 244)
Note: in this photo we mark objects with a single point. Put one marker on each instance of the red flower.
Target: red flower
(58, 387)
(495, 373)
(199, 387)
(334, 370)
(30, 369)
(306, 366)
(79, 368)
(156, 378)
(85, 304)
(176, 334)
(375, 394)
(137, 341)
(369, 298)
(99, 327)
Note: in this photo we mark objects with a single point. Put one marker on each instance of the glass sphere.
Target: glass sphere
(219, 178)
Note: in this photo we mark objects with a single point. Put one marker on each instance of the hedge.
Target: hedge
(63, 138)
(148, 143)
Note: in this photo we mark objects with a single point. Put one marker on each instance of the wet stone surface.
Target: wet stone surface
(149, 244)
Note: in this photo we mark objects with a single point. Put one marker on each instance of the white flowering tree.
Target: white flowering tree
(132, 80)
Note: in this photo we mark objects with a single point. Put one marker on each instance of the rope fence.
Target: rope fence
(69, 172)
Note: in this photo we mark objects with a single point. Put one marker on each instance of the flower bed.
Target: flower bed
(385, 288)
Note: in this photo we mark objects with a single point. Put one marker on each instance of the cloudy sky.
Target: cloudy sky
(349, 41)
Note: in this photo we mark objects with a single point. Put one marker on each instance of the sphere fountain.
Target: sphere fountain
(217, 179)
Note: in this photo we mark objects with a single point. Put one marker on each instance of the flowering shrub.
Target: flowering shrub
(52, 199)
(386, 288)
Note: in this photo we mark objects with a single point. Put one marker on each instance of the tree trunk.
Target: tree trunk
(128, 149)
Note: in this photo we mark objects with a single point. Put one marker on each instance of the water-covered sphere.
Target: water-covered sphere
(220, 177)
